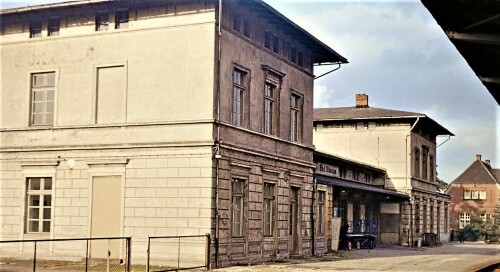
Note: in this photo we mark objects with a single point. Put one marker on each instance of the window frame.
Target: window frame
(44, 88)
(100, 24)
(425, 154)
(269, 206)
(122, 23)
(269, 108)
(237, 227)
(36, 29)
(296, 117)
(321, 204)
(241, 89)
(54, 26)
(463, 220)
(42, 193)
(237, 21)
(416, 162)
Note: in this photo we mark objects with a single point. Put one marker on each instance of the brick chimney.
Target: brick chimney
(478, 157)
(487, 162)
(361, 101)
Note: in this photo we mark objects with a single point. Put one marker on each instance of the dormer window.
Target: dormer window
(36, 29)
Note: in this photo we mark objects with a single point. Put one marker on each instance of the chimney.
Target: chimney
(361, 101)
(478, 157)
(487, 162)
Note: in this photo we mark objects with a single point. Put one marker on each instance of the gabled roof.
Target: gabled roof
(371, 113)
(478, 172)
(321, 53)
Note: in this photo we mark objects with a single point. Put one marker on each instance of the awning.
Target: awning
(358, 186)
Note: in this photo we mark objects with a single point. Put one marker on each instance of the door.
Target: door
(106, 216)
(293, 221)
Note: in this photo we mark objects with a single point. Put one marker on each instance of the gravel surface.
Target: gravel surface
(448, 257)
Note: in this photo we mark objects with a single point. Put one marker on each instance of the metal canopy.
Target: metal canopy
(473, 26)
(358, 186)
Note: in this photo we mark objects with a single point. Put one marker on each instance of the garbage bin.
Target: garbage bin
(419, 242)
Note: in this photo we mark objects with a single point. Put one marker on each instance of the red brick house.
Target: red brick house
(475, 192)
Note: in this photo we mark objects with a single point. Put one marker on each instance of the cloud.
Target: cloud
(323, 96)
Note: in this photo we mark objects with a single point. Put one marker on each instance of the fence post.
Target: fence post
(34, 258)
(179, 254)
(87, 256)
(149, 254)
(209, 244)
(129, 255)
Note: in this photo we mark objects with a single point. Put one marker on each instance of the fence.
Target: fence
(72, 254)
(173, 253)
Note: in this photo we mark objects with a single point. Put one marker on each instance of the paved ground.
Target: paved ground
(449, 257)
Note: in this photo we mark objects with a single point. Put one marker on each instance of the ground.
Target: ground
(454, 257)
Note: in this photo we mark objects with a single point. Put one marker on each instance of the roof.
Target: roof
(322, 53)
(322, 179)
(349, 161)
(473, 26)
(371, 113)
(478, 172)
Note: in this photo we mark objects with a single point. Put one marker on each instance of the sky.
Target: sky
(402, 59)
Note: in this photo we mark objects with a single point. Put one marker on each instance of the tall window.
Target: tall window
(417, 162)
(53, 26)
(295, 123)
(424, 219)
(42, 98)
(36, 29)
(321, 212)
(38, 206)
(269, 90)
(246, 27)
(431, 167)
(237, 208)
(446, 218)
(267, 40)
(300, 60)
(276, 44)
(237, 22)
(463, 220)
(121, 19)
(238, 97)
(293, 54)
(101, 21)
(269, 213)
(425, 153)
(417, 218)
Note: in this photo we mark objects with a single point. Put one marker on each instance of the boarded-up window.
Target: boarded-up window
(111, 95)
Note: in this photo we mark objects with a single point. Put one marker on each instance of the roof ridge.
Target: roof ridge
(489, 172)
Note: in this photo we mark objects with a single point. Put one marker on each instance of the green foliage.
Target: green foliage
(441, 184)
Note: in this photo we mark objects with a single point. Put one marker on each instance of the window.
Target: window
(53, 27)
(237, 22)
(482, 195)
(446, 218)
(417, 162)
(238, 97)
(425, 153)
(477, 195)
(300, 60)
(246, 28)
(42, 98)
(121, 19)
(293, 54)
(417, 218)
(464, 220)
(101, 21)
(424, 218)
(343, 172)
(38, 206)
(295, 122)
(269, 90)
(276, 43)
(484, 217)
(467, 194)
(237, 207)
(431, 168)
(267, 40)
(321, 212)
(269, 213)
(36, 29)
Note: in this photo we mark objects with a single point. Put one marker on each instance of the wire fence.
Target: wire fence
(72, 254)
(174, 253)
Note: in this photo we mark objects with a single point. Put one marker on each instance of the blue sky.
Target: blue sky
(402, 59)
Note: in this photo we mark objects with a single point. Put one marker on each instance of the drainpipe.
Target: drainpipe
(217, 155)
(410, 236)
(313, 236)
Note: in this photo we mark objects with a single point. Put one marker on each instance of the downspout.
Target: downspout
(313, 236)
(217, 154)
(410, 235)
